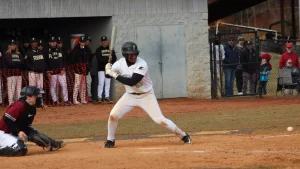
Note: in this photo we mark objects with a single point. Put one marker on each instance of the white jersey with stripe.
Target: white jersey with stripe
(140, 67)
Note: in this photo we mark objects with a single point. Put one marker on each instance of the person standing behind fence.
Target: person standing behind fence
(239, 70)
(102, 54)
(13, 65)
(265, 68)
(289, 54)
(229, 65)
(80, 55)
(57, 71)
(250, 62)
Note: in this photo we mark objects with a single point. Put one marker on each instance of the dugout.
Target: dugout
(43, 28)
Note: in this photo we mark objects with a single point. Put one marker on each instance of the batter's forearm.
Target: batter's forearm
(133, 80)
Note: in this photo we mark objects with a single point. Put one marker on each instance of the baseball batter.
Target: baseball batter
(16, 125)
(132, 71)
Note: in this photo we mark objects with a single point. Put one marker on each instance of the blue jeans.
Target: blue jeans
(229, 79)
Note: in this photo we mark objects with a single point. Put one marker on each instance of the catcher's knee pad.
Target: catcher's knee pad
(18, 149)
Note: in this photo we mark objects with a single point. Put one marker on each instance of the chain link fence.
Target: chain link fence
(281, 82)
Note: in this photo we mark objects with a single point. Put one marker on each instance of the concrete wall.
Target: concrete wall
(86, 8)
(197, 47)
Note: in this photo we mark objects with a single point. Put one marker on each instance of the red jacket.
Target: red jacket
(286, 56)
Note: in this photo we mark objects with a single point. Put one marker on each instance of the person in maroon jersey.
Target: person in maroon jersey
(16, 125)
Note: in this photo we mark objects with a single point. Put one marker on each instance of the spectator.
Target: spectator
(229, 65)
(102, 54)
(239, 70)
(250, 63)
(288, 76)
(289, 54)
(218, 50)
(265, 68)
(13, 62)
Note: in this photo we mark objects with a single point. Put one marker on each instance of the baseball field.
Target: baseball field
(249, 133)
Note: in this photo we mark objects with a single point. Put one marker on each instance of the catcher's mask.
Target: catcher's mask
(32, 91)
(129, 48)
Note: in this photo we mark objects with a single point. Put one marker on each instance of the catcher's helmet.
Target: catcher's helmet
(129, 48)
(31, 91)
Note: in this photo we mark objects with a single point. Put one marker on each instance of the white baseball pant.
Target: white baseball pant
(35, 79)
(79, 83)
(61, 79)
(148, 103)
(7, 139)
(14, 86)
(89, 84)
(103, 82)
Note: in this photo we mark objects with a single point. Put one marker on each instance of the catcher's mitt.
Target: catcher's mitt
(38, 138)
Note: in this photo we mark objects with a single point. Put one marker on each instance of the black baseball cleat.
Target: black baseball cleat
(99, 100)
(58, 145)
(109, 144)
(186, 139)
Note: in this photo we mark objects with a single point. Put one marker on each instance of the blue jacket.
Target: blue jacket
(231, 57)
(264, 77)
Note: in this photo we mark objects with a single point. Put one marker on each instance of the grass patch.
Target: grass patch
(261, 120)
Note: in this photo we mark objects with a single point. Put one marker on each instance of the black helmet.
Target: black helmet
(31, 91)
(129, 48)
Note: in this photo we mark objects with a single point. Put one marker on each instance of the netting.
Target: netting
(9, 88)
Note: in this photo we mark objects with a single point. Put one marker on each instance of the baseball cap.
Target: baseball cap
(12, 42)
(40, 43)
(89, 38)
(289, 45)
(33, 39)
(52, 39)
(82, 39)
(248, 42)
(59, 40)
(240, 38)
(103, 38)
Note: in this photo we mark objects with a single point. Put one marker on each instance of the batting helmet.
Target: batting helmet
(31, 91)
(129, 48)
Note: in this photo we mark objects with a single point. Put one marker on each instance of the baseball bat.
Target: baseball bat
(112, 41)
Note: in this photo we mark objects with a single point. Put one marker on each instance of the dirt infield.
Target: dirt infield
(219, 151)
(55, 115)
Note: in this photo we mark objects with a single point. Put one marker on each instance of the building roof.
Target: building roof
(218, 9)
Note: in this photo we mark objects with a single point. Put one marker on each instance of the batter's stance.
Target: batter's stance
(15, 126)
(132, 71)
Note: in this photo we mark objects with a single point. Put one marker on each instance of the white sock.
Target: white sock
(179, 132)
(112, 126)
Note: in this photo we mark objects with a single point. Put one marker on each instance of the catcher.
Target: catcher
(16, 129)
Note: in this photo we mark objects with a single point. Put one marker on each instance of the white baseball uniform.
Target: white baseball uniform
(140, 95)
(61, 79)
